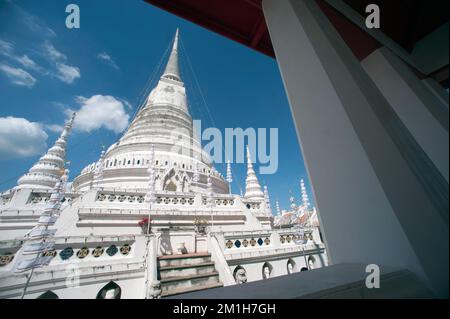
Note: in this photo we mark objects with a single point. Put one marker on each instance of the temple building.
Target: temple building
(151, 218)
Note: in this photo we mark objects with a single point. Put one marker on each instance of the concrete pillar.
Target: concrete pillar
(379, 197)
(422, 113)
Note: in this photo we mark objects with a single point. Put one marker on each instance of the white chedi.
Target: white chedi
(252, 187)
(47, 171)
(305, 198)
(40, 236)
(163, 121)
(267, 201)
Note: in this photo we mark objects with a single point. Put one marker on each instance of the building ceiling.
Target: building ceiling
(406, 22)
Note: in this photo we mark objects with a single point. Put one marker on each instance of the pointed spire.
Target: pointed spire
(172, 70)
(305, 199)
(41, 234)
(229, 177)
(267, 200)
(209, 191)
(277, 204)
(252, 187)
(292, 201)
(49, 168)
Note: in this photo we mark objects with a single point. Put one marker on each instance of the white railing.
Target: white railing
(152, 284)
(225, 275)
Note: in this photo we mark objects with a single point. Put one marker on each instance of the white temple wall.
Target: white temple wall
(130, 289)
(254, 270)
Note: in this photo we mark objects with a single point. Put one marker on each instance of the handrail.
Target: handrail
(225, 275)
(152, 284)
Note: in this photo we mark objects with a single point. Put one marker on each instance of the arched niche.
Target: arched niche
(311, 262)
(240, 275)
(171, 181)
(290, 266)
(267, 270)
(48, 295)
(110, 291)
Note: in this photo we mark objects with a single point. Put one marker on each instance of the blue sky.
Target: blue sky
(47, 70)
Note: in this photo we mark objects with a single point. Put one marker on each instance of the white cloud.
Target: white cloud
(52, 54)
(34, 23)
(21, 138)
(67, 73)
(28, 63)
(18, 76)
(55, 128)
(64, 72)
(7, 50)
(108, 60)
(6, 47)
(101, 111)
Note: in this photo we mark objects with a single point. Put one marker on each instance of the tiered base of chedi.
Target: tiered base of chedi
(113, 235)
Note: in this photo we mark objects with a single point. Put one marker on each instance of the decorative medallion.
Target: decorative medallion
(140, 199)
(245, 243)
(267, 241)
(231, 202)
(229, 244)
(66, 253)
(121, 198)
(183, 201)
(288, 239)
(97, 252)
(125, 249)
(49, 253)
(190, 201)
(253, 241)
(83, 252)
(260, 241)
(282, 239)
(131, 199)
(6, 259)
(237, 243)
(111, 198)
(112, 250)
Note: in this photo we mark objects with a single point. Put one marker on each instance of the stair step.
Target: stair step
(178, 291)
(186, 270)
(183, 260)
(182, 256)
(189, 277)
(191, 281)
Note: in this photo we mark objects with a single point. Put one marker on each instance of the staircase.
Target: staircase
(186, 273)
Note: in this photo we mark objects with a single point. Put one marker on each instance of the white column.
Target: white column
(380, 199)
(423, 114)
